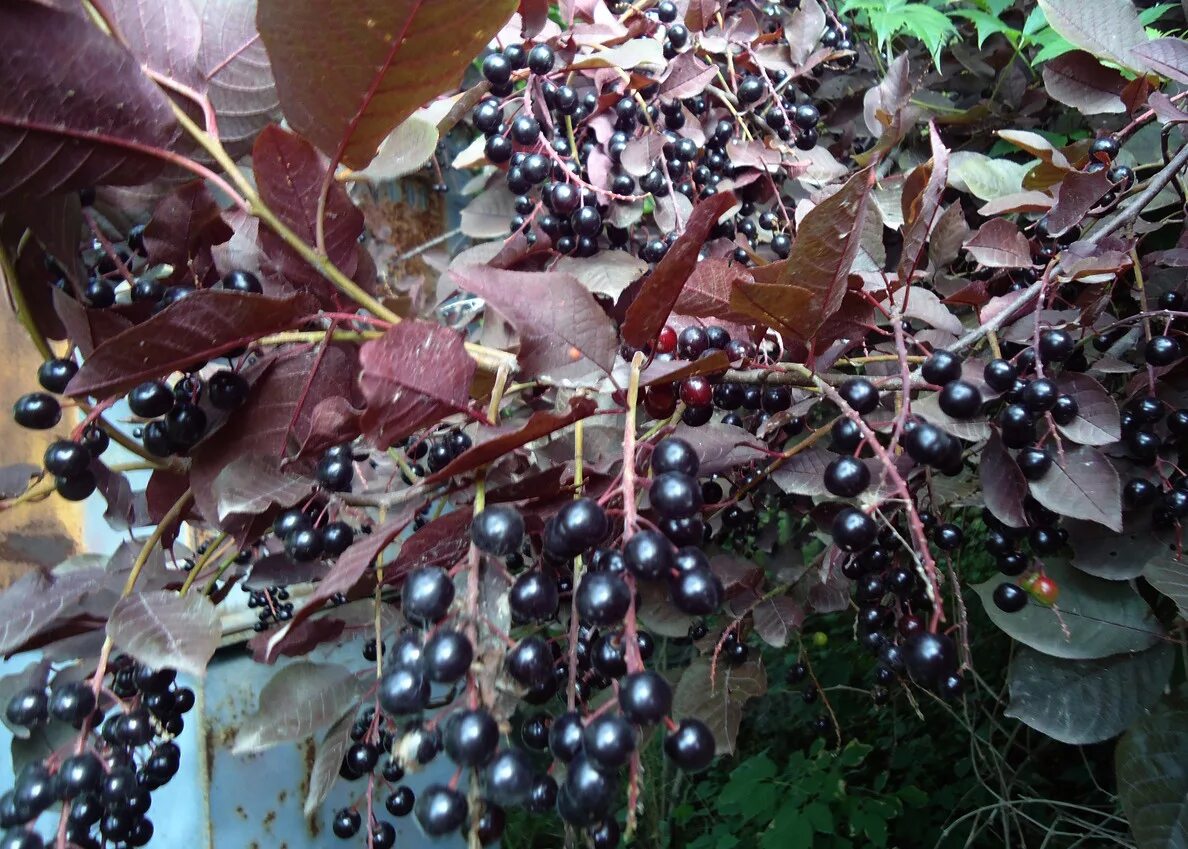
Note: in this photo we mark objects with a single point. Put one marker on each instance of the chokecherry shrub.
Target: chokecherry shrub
(766, 311)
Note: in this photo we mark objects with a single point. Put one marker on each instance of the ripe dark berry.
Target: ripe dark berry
(960, 399)
(37, 411)
(53, 375)
(227, 390)
(540, 59)
(675, 495)
(845, 436)
(645, 697)
(1055, 345)
(1065, 410)
(692, 342)
(581, 524)
(509, 777)
(27, 708)
(304, 545)
(427, 595)
(79, 774)
(533, 597)
(674, 455)
(750, 90)
(66, 458)
(447, 656)
(602, 598)
(497, 69)
(1040, 395)
(941, 368)
(441, 809)
(1010, 598)
(471, 737)
(1106, 146)
(853, 530)
(525, 130)
(1139, 493)
(609, 740)
(806, 116)
(337, 538)
(242, 281)
(335, 473)
(999, 375)
(860, 394)
(72, 702)
(948, 537)
(697, 591)
(649, 555)
(498, 530)
(1034, 463)
(150, 399)
(930, 658)
(530, 662)
(403, 690)
(400, 802)
(847, 477)
(1161, 351)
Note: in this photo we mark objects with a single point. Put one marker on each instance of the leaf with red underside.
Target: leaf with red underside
(700, 14)
(1083, 484)
(253, 483)
(1097, 421)
(1078, 80)
(534, 14)
(562, 328)
(1166, 56)
(687, 76)
(75, 109)
(493, 443)
(673, 371)
(776, 619)
(56, 221)
(442, 542)
(348, 570)
(1079, 192)
(920, 211)
(163, 36)
(707, 292)
(289, 173)
(198, 328)
(999, 244)
(237, 72)
(812, 282)
(186, 221)
(721, 446)
(1003, 485)
(40, 294)
(414, 374)
(649, 311)
(298, 641)
(389, 57)
(1110, 29)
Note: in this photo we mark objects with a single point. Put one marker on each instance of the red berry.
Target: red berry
(666, 342)
(697, 392)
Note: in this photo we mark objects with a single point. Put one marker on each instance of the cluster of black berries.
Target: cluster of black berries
(273, 605)
(107, 781)
(434, 452)
(305, 540)
(542, 134)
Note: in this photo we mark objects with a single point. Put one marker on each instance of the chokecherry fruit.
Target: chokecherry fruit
(645, 697)
(441, 809)
(498, 530)
(930, 658)
(447, 656)
(427, 595)
(675, 495)
(533, 597)
(649, 555)
(1162, 351)
(150, 399)
(674, 455)
(53, 375)
(471, 737)
(960, 399)
(609, 740)
(941, 367)
(602, 599)
(847, 477)
(853, 530)
(37, 411)
(1010, 598)
(860, 394)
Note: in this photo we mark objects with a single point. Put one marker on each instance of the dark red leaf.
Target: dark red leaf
(707, 292)
(812, 282)
(390, 57)
(411, 376)
(163, 36)
(75, 109)
(117, 492)
(999, 244)
(1003, 485)
(1079, 192)
(561, 326)
(921, 209)
(493, 443)
(1166, 56)
(687, 76)
(298, 640)
(721, 446)
(186, 220)
(56, 221)
(1078, 80)
(671, 371)
(87, 329)
(289, 173)
(39, 294)
(534, 14)
(1084, 485)
(203, 325)
(700, 14)
(650, 309)
(442, 542)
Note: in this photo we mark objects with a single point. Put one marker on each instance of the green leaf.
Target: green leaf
(1106, 28)
(913, 796)
(930, 26)
(1151, 15)
(1035, 21)
(1152, 769)
(876, 830)
(819, 817)
(986, 24)
(1053, 45)
(789, 830)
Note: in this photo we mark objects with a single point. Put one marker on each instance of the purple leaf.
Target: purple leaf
(687, 76)
(999, 244)
(920, 209)
(408, 52)
(80, 115)
(1166, 56)
(238, 75)
(1107, 28)
(776, 619)
(1084, 485)
(14, 478)
(411, 376)
(327, 763)
(298, 700)
(1078, 80)
(34, 601)
(289, 173)
(163, 628)
(884, 106)
(649, 311)
(1003, 485)
(1079, 193)
(804, 473)
(187, 220)
(252, 483)
(1097, 421)
(442, 542)
(203, 325)
(117, 492)
(721, 446)
(163, 36)
(562, 328)
(718, 700)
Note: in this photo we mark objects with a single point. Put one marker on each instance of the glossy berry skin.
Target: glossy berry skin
(948, 537)
(242, 281)
(63, 457)
(1055, 345)
(471, 737)
(1065, 409)
(27, 708)
(400, 802)
(1010, 598)
(1139, 493)
(649, 555)
(530, 662)
(447, 656)
(853, 530)
(999, 375)
(53, 375)
(750, 90)
(403, 690)
(608, 741)
(1034, 463)
(440, 809)
(337, 538)
(150, 399)
(666, 340)
(427, 595)
(1040, 395)
(582, 524)
(227, 390)
(588, 792)
(533, 597)
(645, 697)
(860, 394)
(540, 59)
(602, 599)
(304, 545)
(960, 399)
(696, 391)
(674, 455)
(1161, 351)
(930, 658)
(335, 473)
(691, 746)
(37, 411)
(498, 530)
(847, 477)
(697, 591)
(497, 69)
(675, 495)
(79, 774)
(1044, 590)
(509, 777)
(72, 702)
(941, 368)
